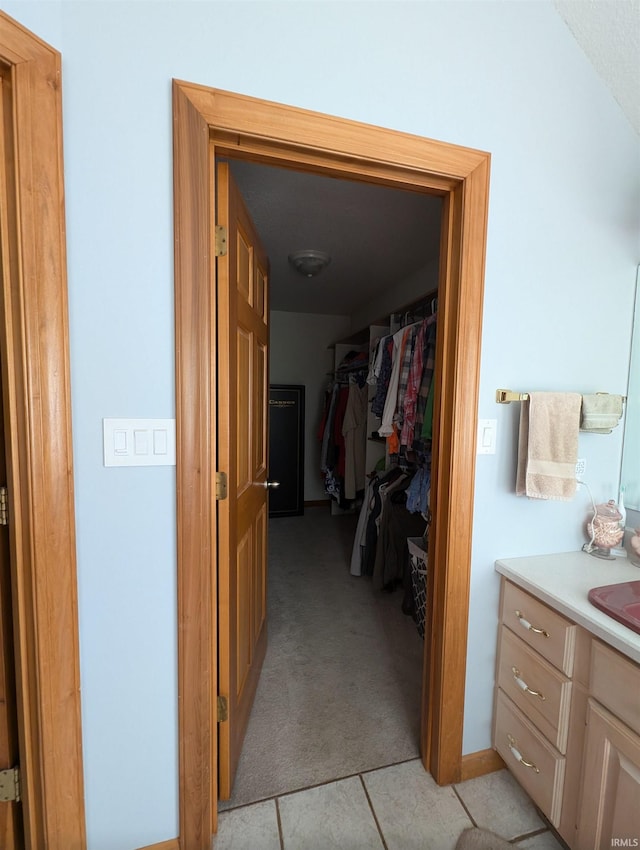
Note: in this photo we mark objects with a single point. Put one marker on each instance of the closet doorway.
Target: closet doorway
(340, 690)
(209, 123)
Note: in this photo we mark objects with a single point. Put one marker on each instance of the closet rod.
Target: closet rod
(420, 304)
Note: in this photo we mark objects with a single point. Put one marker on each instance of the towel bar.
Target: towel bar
(507, 396)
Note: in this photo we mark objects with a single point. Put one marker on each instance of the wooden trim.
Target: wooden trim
(251, 124)
(480, 763)
(36, 383)
(195, 469)
(456, 402)
(267, 132)
(318, 503)
(171, 844)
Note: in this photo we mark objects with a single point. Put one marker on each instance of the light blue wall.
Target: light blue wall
(630, 477)
(506, 77)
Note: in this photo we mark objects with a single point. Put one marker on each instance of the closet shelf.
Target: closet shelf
(428, 301)
(346, 370)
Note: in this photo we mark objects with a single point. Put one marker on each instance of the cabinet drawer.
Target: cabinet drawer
(615, 682)
(537, 766)
(546, 631)
(536, 687)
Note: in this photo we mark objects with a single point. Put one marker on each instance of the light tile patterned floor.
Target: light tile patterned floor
(393, 808)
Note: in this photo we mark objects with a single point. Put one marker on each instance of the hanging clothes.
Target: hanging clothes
(375, 362)
(427, 425)
(342, 430)
(338, 438)
(403, 343)
(359, 542)
(378, 487)
(354, 432)
(386, 425)
(326, 426)
(407, 355)
(429, 357)
(418, 490)
(413, 386)
(396, 525)
(384, 376)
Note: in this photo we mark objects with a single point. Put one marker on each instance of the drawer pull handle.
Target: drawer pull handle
(520, 682)
(513, 746)
(527, 625)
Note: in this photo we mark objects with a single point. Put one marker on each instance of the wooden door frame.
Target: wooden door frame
(36, 384)
(208, 122)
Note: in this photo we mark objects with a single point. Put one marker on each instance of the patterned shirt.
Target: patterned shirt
(413, 385)
(429, 357)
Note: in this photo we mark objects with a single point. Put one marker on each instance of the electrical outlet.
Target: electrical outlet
(581, 468)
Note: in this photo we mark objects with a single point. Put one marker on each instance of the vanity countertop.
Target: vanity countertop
(564, 580)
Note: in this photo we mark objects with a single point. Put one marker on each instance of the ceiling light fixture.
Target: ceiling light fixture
(309, 262)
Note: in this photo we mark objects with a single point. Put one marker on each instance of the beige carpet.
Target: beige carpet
(341, 683)
(482, 839)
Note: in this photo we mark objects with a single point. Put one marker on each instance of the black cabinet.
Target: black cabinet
(286, 449)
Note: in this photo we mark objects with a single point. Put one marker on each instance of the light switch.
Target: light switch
(487, 429)
(159, 441)
(120, 442)
(139, 442)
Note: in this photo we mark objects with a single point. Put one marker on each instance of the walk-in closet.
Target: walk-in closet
(352, 370)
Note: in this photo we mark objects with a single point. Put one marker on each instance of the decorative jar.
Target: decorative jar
(605, 529)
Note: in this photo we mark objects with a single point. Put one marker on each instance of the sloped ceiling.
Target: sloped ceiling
(608, 31)
(377, 236)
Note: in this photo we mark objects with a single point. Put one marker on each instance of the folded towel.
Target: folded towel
(548, 446)
(600, 412)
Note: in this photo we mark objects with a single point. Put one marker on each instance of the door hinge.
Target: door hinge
(221, 486)
(4, 506)
(221, 240)
(10, 785)
(223, 709)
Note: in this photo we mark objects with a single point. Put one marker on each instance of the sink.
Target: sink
(620, 601)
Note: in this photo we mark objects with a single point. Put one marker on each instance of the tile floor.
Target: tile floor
(393, 808)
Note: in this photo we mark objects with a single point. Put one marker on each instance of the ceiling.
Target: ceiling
(376, 235)
(373, 234)
(608, 31)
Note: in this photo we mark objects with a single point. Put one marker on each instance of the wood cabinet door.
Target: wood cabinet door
(242, 302)
(610, 804)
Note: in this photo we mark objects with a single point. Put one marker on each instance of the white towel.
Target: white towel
(600, 412)
(548, 446)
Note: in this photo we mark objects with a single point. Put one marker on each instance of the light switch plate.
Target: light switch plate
(139, 442)
(487, 431)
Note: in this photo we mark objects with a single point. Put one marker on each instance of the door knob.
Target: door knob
(273, 484)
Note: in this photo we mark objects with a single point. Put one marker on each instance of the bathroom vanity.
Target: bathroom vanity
(567, 697)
